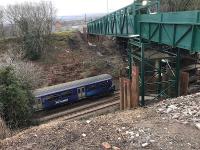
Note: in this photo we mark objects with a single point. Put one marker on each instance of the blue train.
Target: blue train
(50, 97)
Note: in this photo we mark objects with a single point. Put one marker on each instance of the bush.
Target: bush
(25, 71)
(33, 46)
(15, 98)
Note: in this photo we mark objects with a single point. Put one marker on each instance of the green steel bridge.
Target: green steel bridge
(145, 27)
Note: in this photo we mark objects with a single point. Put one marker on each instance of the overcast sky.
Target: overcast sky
(79, 7)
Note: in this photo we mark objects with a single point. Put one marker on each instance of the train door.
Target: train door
(81, 92)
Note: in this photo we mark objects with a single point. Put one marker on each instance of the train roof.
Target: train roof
(71, 85)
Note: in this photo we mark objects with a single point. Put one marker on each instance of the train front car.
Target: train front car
(50, 97)
(102, 85)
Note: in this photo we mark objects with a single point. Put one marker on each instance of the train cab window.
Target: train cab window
(103, 84)
(79, 90)
(37, 100)
(66, 93)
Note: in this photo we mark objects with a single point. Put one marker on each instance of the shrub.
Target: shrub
(33, 45)
(15, 98)
(25, 71)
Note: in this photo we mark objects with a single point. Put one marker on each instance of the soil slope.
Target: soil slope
(170, 124)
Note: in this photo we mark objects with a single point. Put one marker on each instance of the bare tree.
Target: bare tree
(1, 22)
(34, 22)
(179, 5)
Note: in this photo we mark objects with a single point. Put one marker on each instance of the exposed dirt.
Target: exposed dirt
(142, 128)
(71, 58)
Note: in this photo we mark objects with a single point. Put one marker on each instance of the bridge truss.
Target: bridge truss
(156, 43)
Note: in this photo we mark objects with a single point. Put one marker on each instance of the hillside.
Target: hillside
(69, 57)
(170, 124)
(72, 58)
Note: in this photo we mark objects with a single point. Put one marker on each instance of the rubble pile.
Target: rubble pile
(138, 137)
(182, 109)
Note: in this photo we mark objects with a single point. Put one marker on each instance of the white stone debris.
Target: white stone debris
(119, 138)
(88, 121)
(92, 45)
(145, 144)
(99, 54)
(123, 128)
(197, 125)
(35, 135)
(152, 141)
(137, 135)
(84, 135)
(183, 109)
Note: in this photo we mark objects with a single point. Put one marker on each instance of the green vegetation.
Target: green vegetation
(15, 99)
(60, 39)
(65, 34)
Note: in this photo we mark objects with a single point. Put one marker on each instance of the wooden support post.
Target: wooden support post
(184, 82)
(135, 87)
(128, 93)
(125, 94)
(121, 80)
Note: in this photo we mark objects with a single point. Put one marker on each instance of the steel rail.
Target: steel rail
(71, 112)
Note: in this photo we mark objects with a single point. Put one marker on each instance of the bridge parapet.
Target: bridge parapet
(176, 29)
(122, 22)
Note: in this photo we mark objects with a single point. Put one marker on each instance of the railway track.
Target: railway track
(88, 109)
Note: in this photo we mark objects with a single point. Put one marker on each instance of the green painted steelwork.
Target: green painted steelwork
(122, 22)
(142, 75)
(143, 28)
(152, 68)
(176, 29)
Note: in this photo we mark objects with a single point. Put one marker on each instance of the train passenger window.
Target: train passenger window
(52, 97)
(92, 87)
(66, 93)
